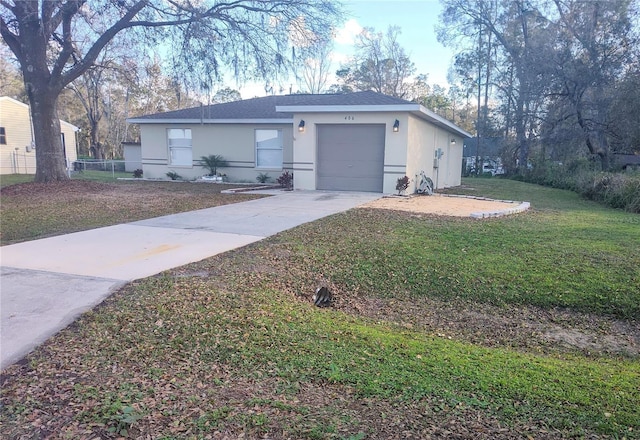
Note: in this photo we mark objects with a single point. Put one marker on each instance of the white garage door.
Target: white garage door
(351, 157)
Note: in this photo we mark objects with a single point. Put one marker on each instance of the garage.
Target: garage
(350, 157)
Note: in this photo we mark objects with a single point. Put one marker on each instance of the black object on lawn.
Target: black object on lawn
(322, 297)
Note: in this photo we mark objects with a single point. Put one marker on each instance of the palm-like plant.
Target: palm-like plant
(213, 162)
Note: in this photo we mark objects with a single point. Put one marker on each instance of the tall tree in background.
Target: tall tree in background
(226, 94)
(252, 37)
(434, 97)
(314, 66)
(625, 112)
(10, 79)
(379, 64)
(554, 68)
(594, 50)
(514, 30)
(91, 89)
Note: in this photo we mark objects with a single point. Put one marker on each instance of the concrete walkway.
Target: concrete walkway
(46, 284)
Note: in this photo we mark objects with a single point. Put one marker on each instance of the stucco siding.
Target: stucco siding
(420, 150)
(305, 145)
(234, 142)
(132, 156)
(424, 140)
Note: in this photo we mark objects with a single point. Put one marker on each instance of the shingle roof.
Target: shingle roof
(265, 107)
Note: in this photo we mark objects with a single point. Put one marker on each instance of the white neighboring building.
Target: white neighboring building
(17, 146)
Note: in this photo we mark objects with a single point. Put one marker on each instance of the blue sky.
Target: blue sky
(417, 20)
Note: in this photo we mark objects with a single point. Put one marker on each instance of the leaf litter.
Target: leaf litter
(129, 357)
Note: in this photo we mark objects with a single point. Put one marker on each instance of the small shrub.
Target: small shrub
(402, 184)
(174, 176)
(124, 420)
(137, 173)
(286, 180)
(617, 190)
(213, 162)
(263, 178)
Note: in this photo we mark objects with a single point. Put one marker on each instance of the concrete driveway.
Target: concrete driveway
(46, 284)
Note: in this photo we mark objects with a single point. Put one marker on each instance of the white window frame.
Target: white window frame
(180, 146)
(277, 149)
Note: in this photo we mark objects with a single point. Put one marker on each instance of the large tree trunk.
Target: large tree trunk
(50, 158)
(521, 134)
(595, 137)
(96, 146)
(42, 89)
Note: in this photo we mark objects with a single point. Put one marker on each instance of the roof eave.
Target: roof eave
(346, 108)
(210, 121)
(73, 127)
(438, 120)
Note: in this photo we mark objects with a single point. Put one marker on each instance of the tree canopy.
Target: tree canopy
(553, 69)
(379, 64)
(55, 42)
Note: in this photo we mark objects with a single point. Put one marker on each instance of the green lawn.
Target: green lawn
(90, 175)
(31, 210)
(232, 345)
(14, 179)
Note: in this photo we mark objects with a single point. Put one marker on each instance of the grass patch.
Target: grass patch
(101, 176)
(233, 345)
(31, 210)
(197, 333)
(586, 262)
(14, 179)
(89, 175)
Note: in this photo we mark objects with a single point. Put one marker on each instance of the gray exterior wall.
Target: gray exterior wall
(234, 142)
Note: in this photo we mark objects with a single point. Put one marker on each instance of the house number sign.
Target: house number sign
(349, 118)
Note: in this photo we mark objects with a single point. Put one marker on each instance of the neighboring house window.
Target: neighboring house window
(269, 149)
(64, 145)
(180, 150)
(3, 136)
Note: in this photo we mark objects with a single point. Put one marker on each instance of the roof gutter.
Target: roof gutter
(427, 114)
(210, 121)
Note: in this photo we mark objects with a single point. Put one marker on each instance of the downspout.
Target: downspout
(33, 145)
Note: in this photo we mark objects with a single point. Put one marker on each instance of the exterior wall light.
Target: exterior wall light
(396, 126)
(453, 141)
(301, 126)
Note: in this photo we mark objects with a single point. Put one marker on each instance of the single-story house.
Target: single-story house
(488, 155)
(362, 141)
(627, 161)
(17, 143)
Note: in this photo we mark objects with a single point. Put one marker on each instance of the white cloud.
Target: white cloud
(347, 34)
(338, 57)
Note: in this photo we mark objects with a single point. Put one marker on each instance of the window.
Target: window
(3, 136)
(180, 151)
(269, 149)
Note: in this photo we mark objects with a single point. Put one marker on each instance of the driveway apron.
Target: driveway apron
(46, 284)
